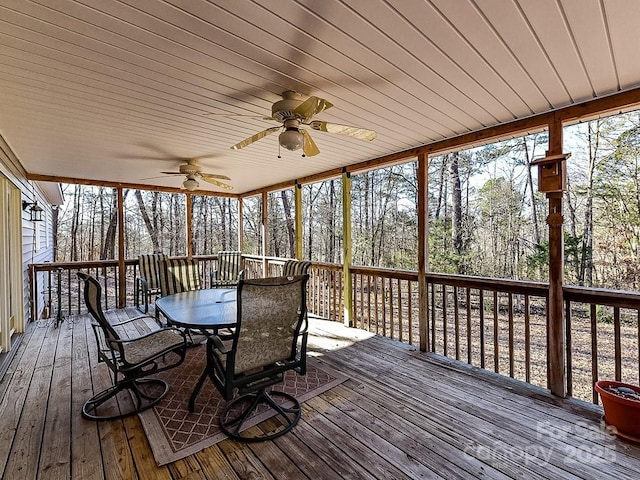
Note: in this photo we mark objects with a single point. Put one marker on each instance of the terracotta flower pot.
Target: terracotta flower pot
(622, 413)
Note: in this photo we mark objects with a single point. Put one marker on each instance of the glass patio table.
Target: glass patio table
(207, 310)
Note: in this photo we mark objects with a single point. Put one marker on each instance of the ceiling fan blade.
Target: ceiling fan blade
(312, 106)
(175, 174)
(355, 132)
(255, 138)
(309, 147)
(206, 176)
(213, 181)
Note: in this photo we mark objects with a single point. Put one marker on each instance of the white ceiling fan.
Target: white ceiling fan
(192, 171)
(292, 112)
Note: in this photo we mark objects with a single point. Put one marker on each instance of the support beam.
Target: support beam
(347, 252)
(556, 333)
(240, 225)
(423, 250)
(189, 207)
(265, 232)
(298, 220)
(121, 266)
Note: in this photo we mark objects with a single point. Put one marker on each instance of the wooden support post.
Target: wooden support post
(265, 234)
(189, 207)
(347, 252)
(556, 322)
(298, 219)
(121, 266)
(423, 250)
(240, 226)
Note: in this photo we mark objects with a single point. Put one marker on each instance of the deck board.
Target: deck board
(401, 414)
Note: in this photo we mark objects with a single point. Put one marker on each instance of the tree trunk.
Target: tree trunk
(110, 241)
(291, 233)
(75, 223)
(456, 221)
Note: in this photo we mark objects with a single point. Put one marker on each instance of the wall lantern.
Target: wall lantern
(35, 211)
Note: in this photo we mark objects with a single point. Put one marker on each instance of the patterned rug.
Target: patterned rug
(174, 433)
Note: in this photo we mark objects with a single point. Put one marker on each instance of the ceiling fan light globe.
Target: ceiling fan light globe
(291, 139)
(190, 184)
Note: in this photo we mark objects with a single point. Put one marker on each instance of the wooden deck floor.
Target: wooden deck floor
(402, 414)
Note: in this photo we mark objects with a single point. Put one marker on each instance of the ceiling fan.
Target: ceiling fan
(192, 171)
(293, 111)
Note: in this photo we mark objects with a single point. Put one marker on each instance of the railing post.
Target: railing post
(423, 250)
(265, 234)
(556, 322)
(347, 252)
(189, 207)
(121, 265)
(298, 220)
(240, 225)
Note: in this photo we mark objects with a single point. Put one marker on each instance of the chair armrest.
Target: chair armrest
(217, 343)
(132, 341)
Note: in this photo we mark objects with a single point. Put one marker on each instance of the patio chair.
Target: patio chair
(178, 275)
(264, 345)
(228, 271)
(147, 282)
(295, 267)
(130, 360)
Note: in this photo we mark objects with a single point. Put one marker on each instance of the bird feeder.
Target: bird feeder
(552, 173)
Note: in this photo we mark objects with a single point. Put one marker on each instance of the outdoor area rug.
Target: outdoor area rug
(174, 433)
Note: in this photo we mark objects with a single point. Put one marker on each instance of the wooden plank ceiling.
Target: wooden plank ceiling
(122, 90)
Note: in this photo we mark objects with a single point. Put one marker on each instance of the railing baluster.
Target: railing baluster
(400, 326)
(384, 306)
(569, 360)
(456, 322)
(445, 329)
(369, 303)
(617, 339)
(593, 313)
(527, 340)
(496, 334)
(482, 349)
(410, 312)
(391, 316)
(469, 344)
(511, 353)
(375, 302)
(433, 317)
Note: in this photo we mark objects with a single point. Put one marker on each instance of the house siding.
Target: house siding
(36, 247)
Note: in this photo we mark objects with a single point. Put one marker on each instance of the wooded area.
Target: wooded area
(486, 216)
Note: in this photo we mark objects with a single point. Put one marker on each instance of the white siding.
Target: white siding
(11, 169)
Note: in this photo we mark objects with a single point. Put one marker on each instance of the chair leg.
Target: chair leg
(196, 390)
(144, 394)
(288, 412)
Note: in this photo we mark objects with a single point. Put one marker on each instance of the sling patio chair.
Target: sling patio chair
(178, 275)
(295, 267)
(147, 283)
(131, 359)
(228, 271)
(268, 340)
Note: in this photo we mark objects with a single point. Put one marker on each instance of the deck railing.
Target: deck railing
(603, 338)
(324, 290)
(494, 324)
(58, 286)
